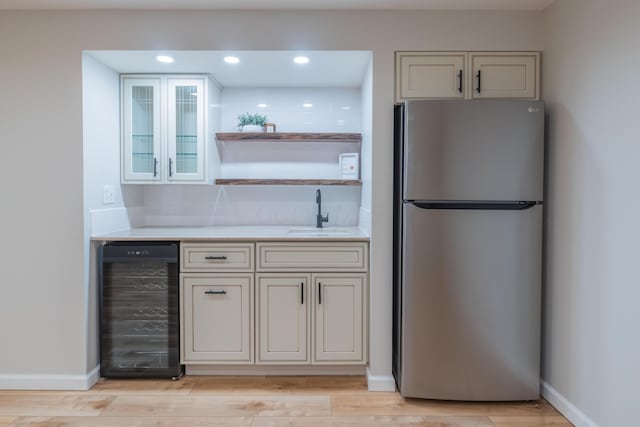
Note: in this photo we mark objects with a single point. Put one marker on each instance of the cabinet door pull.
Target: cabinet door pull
(210, 257)
(155, 166)
(215, 292)
(170, 166)
(319, 293)
(460, 81)
(478, 76)
(301, 292)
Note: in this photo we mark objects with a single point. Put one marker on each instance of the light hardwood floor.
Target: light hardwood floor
(257, 402)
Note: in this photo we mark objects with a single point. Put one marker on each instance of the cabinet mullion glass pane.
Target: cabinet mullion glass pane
(142, 129)
(186, 129)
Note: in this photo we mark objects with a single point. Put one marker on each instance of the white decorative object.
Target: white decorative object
(251, 128)
(349, 164)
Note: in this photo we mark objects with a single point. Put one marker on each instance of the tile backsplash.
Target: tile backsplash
(270, 205)
(295, 109)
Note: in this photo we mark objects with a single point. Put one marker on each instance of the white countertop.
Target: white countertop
(237, 233)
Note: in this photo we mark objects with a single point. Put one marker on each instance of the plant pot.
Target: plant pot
(252, 128)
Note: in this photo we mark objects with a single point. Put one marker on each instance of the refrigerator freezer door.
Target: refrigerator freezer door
(473, 150)
(471, 304)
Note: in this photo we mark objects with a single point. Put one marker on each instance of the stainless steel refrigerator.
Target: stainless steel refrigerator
(468, 249)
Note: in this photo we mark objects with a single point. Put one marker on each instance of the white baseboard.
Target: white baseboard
(566, 408)
(93, 377)
(273, 370)
(49, 382)
(380, 382)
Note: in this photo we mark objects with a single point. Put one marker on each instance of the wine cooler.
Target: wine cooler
(139, 318)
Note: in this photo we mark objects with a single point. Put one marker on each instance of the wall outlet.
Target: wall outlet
(107, 195)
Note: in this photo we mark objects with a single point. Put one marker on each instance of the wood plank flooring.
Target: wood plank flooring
(257, 402)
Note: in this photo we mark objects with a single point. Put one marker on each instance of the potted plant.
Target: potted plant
(252, 122)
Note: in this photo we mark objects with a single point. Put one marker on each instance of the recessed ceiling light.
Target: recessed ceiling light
(346, 107)
(164, 59)
(301, 60)
(262, 105)
(231, 59)
(307, 105)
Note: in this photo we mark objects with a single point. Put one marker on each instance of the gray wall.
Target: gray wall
(43, 297)
(101, 108)
(592, 346)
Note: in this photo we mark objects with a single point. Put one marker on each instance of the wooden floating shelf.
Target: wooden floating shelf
(349, 182)
(289, 137)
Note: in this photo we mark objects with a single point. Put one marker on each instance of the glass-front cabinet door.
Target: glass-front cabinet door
(141, 129)
(185, 132)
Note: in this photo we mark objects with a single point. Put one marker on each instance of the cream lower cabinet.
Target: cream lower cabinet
(217, 303)
(283, 318)
(339, 317)
(316, 315)
(217, 318)
(306, 302)
(301, 324)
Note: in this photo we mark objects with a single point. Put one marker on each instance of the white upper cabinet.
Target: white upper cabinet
(185, 137)
(505, 75)
(164, 129)
(141, 129)
(426, 75)
(467, 75)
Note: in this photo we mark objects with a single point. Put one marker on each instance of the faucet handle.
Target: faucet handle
(325, 218)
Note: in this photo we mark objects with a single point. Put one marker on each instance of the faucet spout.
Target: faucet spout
(319, 218)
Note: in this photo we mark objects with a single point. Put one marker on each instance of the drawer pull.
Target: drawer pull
(319, 293)
(215, 292)
(301, 292)
(212, 257)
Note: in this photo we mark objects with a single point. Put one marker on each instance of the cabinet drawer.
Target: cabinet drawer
(217, 257)
(316, 256)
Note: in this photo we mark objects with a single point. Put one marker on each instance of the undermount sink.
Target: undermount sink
(312, 231)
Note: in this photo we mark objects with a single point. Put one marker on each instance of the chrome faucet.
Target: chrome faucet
(319, 218)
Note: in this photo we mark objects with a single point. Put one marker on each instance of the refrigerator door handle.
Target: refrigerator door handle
(486, 206)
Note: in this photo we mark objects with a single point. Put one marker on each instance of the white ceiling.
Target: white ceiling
(256, 68)
(280, 4)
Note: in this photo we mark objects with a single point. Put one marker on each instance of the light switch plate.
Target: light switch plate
(107, 195)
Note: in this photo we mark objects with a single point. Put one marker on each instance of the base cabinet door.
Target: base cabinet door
(283, 318)
(216, 318)
(339, 315)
